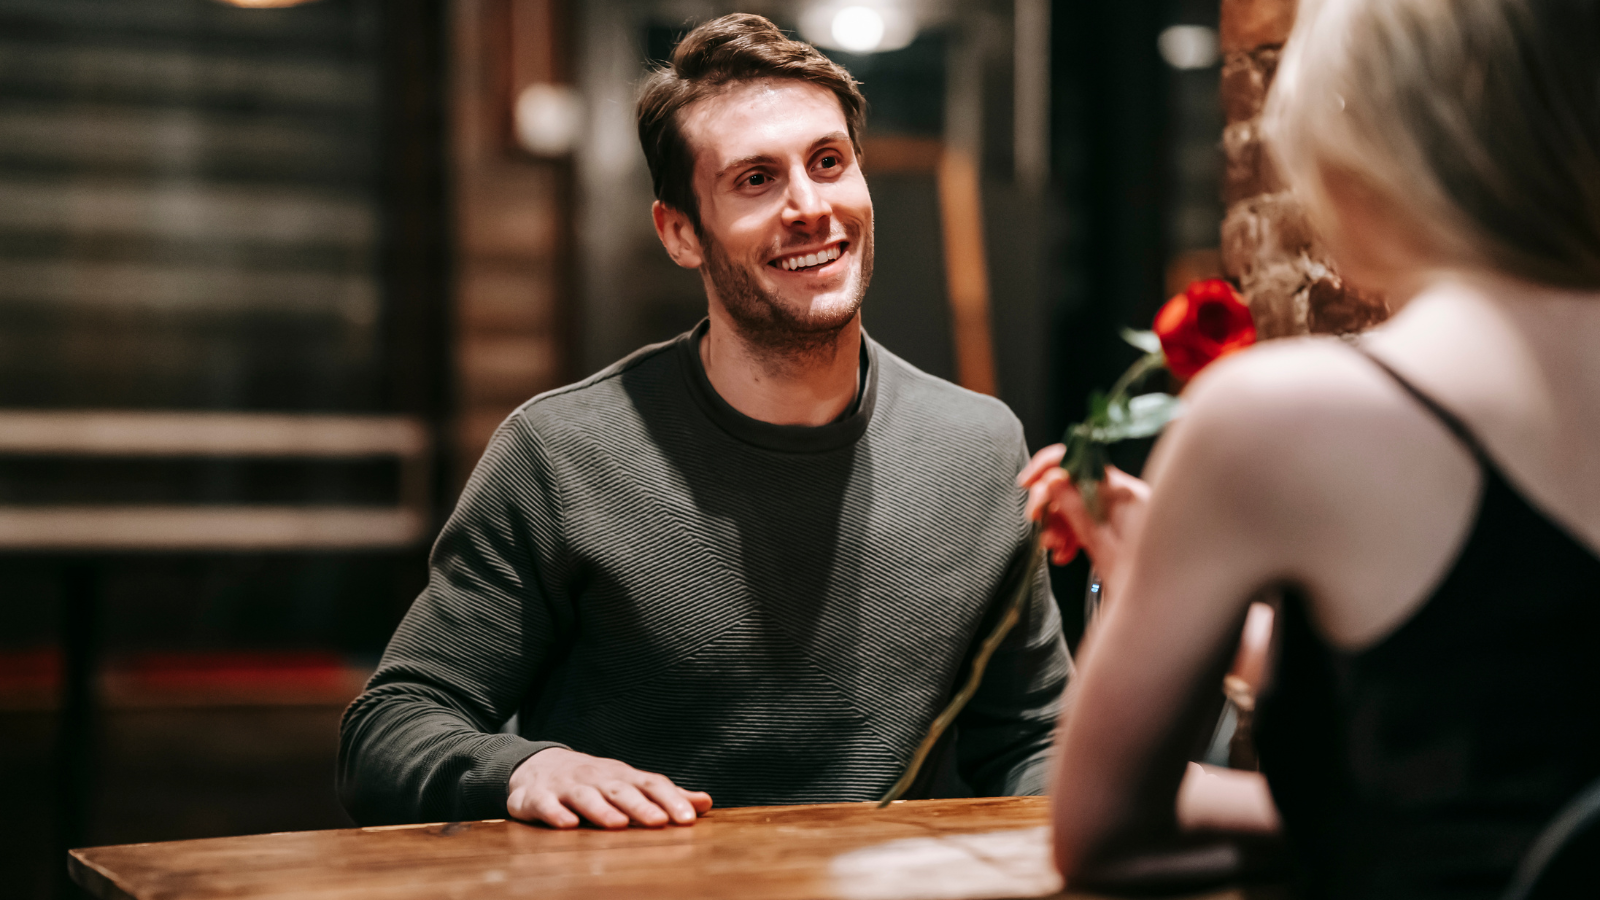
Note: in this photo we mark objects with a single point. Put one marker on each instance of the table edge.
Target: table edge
(92, 878)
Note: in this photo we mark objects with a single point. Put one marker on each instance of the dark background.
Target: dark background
(324, 135)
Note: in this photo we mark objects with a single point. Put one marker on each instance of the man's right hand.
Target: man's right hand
(556, 786)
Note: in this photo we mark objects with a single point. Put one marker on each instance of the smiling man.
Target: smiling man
(716, 568)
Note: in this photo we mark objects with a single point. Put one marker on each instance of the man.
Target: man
(753, 559)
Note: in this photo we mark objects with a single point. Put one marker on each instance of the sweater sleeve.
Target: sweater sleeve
(422, 742)
(1004, 734)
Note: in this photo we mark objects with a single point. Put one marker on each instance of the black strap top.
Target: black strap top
(1425, 765)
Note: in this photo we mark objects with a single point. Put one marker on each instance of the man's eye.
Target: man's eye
(828, 162)
(757, 180)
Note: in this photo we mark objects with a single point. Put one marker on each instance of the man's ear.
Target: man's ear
(677, 235)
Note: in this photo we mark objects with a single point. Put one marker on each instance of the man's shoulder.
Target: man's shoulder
(595, 401)
(927, 401)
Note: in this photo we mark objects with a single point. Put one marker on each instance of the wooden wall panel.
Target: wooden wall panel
(513, 222)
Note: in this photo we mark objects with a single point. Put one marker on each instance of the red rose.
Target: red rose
(1208, 320)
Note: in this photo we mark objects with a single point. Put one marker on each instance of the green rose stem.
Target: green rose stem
(1112, 417)
(1143, 366)
(1013, 612)
(1115, 417)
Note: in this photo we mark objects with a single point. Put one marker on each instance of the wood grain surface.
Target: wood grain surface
(948, 849)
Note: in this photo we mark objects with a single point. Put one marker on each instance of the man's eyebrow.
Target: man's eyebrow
(745, 161)
(829, 138)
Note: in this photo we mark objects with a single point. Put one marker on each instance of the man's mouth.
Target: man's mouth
(811, 259)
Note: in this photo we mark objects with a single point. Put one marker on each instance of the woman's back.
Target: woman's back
(1514, 391)
(1437, 682)
(1425, 764)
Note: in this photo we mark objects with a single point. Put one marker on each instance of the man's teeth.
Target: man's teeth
(810, 259)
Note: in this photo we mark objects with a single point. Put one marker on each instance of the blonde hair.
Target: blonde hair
(1479, 120)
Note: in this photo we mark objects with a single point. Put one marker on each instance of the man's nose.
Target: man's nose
(806, 205)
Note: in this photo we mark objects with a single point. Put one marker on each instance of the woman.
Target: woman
(1428, 499)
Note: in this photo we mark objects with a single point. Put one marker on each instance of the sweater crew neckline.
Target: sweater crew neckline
(839, 433)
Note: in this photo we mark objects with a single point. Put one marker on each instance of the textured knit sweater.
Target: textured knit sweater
(773, 614)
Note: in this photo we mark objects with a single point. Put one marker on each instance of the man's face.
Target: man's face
(786, 219)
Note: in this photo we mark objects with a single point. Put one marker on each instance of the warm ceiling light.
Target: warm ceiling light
(265, 4)
(862, 26)
(857, 29)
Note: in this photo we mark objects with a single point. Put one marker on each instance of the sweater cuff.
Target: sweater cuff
(1030, 779)
(485, 788)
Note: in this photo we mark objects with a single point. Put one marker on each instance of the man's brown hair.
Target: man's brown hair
(710, 59)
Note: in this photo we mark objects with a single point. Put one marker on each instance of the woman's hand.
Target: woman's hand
(1054, 502)
(1216, 799)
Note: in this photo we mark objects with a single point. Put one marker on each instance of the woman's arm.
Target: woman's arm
(1181, 560)
(1213, 799)
(1296, 463)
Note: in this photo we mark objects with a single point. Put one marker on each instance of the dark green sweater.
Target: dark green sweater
(773, 614)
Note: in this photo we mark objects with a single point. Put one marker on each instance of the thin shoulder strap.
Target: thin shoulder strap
(1448, 419)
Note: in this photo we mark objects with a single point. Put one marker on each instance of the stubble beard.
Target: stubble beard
(784, 337)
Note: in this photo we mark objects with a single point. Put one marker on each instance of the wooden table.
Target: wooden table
(948, 849)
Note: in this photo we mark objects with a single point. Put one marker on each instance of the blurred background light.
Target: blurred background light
(857, 29)
(547, 118)
(1189, 46)
(870, 27)
(265, 4)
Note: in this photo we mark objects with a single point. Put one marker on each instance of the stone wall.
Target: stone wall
(1268, 247)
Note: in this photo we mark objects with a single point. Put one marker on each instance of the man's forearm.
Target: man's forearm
(1029, 774)
(404, 756)
(1007, 731)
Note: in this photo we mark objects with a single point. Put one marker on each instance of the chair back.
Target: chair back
(1564, 861)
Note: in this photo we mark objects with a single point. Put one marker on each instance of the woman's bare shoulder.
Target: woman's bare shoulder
(1286, 377)
(1305, 424)
(1272, 405)
(1320, 458)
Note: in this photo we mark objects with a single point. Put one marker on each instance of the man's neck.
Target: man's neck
(811, 388)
